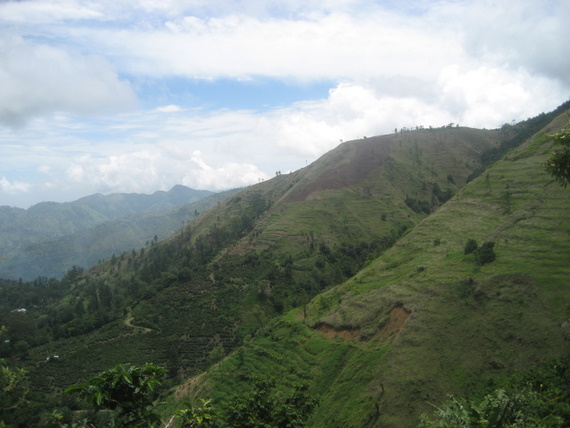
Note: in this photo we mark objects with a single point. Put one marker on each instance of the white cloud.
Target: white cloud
(150, 150)
(529, 34)
(13, 187)
(488, 97)
(44, 169)
(334, 46)
(228, 175)
(483, 97)
(38, 79)
(339, 39)
(390, 64)
(160, 167)
(46, 11)
(171, 108)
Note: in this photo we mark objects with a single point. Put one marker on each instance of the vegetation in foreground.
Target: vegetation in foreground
(124, 396)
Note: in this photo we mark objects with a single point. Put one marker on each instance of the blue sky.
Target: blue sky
(259, 93)
(120, 96)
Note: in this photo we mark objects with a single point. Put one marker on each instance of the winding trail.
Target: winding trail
(129, 323)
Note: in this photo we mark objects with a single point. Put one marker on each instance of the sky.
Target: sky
(107, 96)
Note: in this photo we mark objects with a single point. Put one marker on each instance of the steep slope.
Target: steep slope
(49, 238)
(424, 320)
(188, 301)
(267, 249)
(367, 187)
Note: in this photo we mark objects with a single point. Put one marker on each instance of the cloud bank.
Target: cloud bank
(38, 80)
(98, 95)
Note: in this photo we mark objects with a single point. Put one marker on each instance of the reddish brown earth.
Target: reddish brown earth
(352, 164)
(330, 332)
(393, 327)
(395, 324)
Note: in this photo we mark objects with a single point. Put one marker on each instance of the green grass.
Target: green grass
(225, 279)
(470, 326)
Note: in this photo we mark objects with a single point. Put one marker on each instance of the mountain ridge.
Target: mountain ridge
(355, 282)
(424, 320)
(172, 197)
(67, 233)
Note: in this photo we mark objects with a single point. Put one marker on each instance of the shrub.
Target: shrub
(418, 206)
(500, 409)
(486, 254)
(126, 389)
(470, 247)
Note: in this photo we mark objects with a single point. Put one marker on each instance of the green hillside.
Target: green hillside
(424, 320)
(349, 274)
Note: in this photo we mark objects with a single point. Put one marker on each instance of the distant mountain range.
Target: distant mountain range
(49, 238)
(349, 277)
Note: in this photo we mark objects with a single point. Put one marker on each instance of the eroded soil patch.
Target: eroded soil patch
(395, 324)
(330, 332)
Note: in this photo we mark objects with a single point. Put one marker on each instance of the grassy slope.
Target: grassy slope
(344, 194)
(469, 326)
(340, 198)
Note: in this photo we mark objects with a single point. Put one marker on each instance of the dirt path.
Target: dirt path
(129, 323)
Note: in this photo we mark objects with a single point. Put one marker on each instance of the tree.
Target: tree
(558, 164)
(127, 390)
(470, 247)
(13, 385)
(268, 406)
(72, 274)
(483, 254)
(486, 254)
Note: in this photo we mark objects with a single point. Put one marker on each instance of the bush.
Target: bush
(126, 389)
(486, 254)
(470, 247)
(558, 164)
(270, 405)
(536, 398)
(418, 206)
(522, 408)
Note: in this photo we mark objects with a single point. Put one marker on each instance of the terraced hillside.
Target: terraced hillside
(367, 244)
(267, 249)
(424, 319)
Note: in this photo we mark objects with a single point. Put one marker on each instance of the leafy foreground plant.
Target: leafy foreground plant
(127, 390)
(267, 406)
(13, 385)
(558, 164)
(539, 398)
(500, 409)
(203, 415)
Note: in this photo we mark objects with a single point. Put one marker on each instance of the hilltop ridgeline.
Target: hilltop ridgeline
(349, 274)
